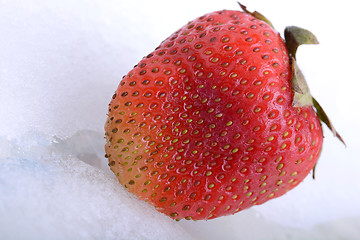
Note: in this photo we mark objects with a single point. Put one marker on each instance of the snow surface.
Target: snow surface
(61, 61)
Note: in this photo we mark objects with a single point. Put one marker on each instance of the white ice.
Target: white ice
(60, 62)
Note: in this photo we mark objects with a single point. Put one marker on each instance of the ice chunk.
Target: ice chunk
(86, 145)
(49, 195)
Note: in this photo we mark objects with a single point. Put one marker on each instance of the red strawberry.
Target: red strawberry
(205, 125)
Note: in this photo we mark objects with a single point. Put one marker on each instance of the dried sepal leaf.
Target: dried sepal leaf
(302, 96)
(256, 15)
(325, 119)
(296, 36)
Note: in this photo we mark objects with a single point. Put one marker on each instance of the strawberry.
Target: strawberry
(216, 119)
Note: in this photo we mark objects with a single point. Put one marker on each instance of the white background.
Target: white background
(61, 61)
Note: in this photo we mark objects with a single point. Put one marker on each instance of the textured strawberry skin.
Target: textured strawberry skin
(204, 126)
